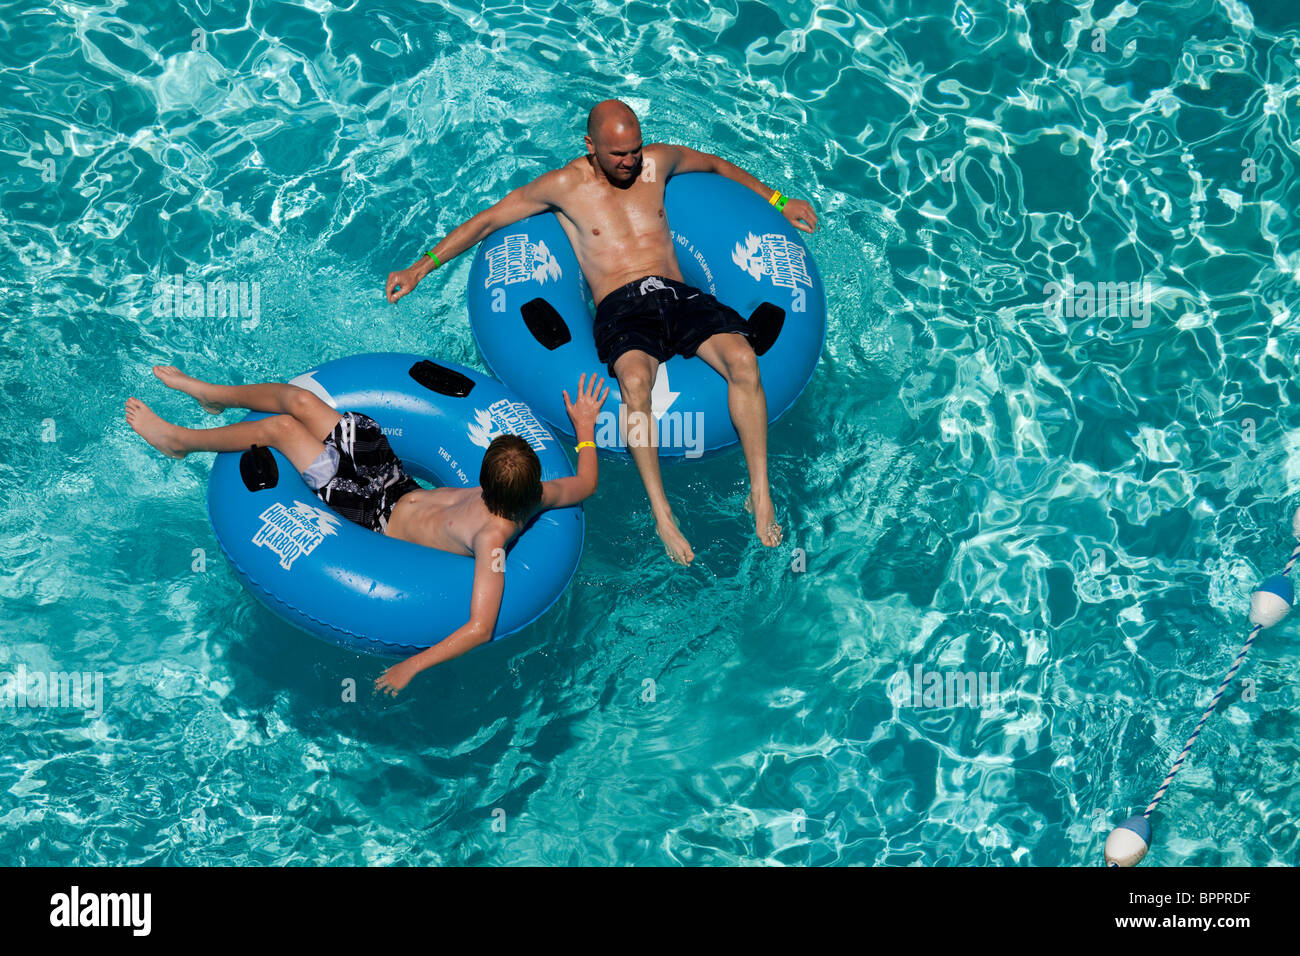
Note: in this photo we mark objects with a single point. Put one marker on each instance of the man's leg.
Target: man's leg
(731, 355)
(636, 372)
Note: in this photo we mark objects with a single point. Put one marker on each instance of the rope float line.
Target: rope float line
(1269, 603)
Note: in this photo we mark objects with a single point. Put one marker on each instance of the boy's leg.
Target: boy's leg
(279, 397)
(285, 433)
(636, 372)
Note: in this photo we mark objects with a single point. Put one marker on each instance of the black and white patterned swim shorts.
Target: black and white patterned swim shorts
(358, 474)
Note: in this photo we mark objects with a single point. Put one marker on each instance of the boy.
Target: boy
(346, 460)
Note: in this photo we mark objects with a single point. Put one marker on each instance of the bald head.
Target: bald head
(610, 117)
(614, 141)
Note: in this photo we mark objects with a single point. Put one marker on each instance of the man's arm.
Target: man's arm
(540, 195)
(683, 159)
(484, 606)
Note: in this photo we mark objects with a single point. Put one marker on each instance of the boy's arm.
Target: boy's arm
(484, 606)
(542, 194)
(563, 492)
(683, 159)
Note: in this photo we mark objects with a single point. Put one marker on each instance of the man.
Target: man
(610, 204)
(346, 460)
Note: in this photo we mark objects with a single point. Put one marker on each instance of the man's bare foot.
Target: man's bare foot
(765, 526)
(160, 434)
(197, 389)
(674, 542)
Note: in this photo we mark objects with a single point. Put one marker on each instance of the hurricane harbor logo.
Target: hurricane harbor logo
(292, 532)
(516, 259)
(778, 257)
(504, 417)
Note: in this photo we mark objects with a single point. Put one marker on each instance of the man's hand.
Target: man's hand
(583, 412)
(407, 279)
(797, 211)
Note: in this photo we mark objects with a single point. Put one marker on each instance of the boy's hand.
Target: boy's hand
(408, 279)
(583, 412)
(395, 678)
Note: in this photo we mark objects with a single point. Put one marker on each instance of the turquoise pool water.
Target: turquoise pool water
(980, 480)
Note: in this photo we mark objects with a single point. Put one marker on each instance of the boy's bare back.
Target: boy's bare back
(448, 519)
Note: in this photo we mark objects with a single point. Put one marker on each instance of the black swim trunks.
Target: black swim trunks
(357, 474)
(659, 316)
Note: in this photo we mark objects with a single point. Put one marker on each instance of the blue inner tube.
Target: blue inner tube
(530, 310)
(360, 589)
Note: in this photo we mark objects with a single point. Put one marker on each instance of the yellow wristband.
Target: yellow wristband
(585, 444)
(775, 196)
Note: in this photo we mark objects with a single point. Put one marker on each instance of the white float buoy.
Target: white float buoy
(1128, 842)
(1271, 602)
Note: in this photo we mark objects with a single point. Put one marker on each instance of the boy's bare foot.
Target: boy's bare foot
(197, 389)
(765, 526)
(674, 542)
(160, 434)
